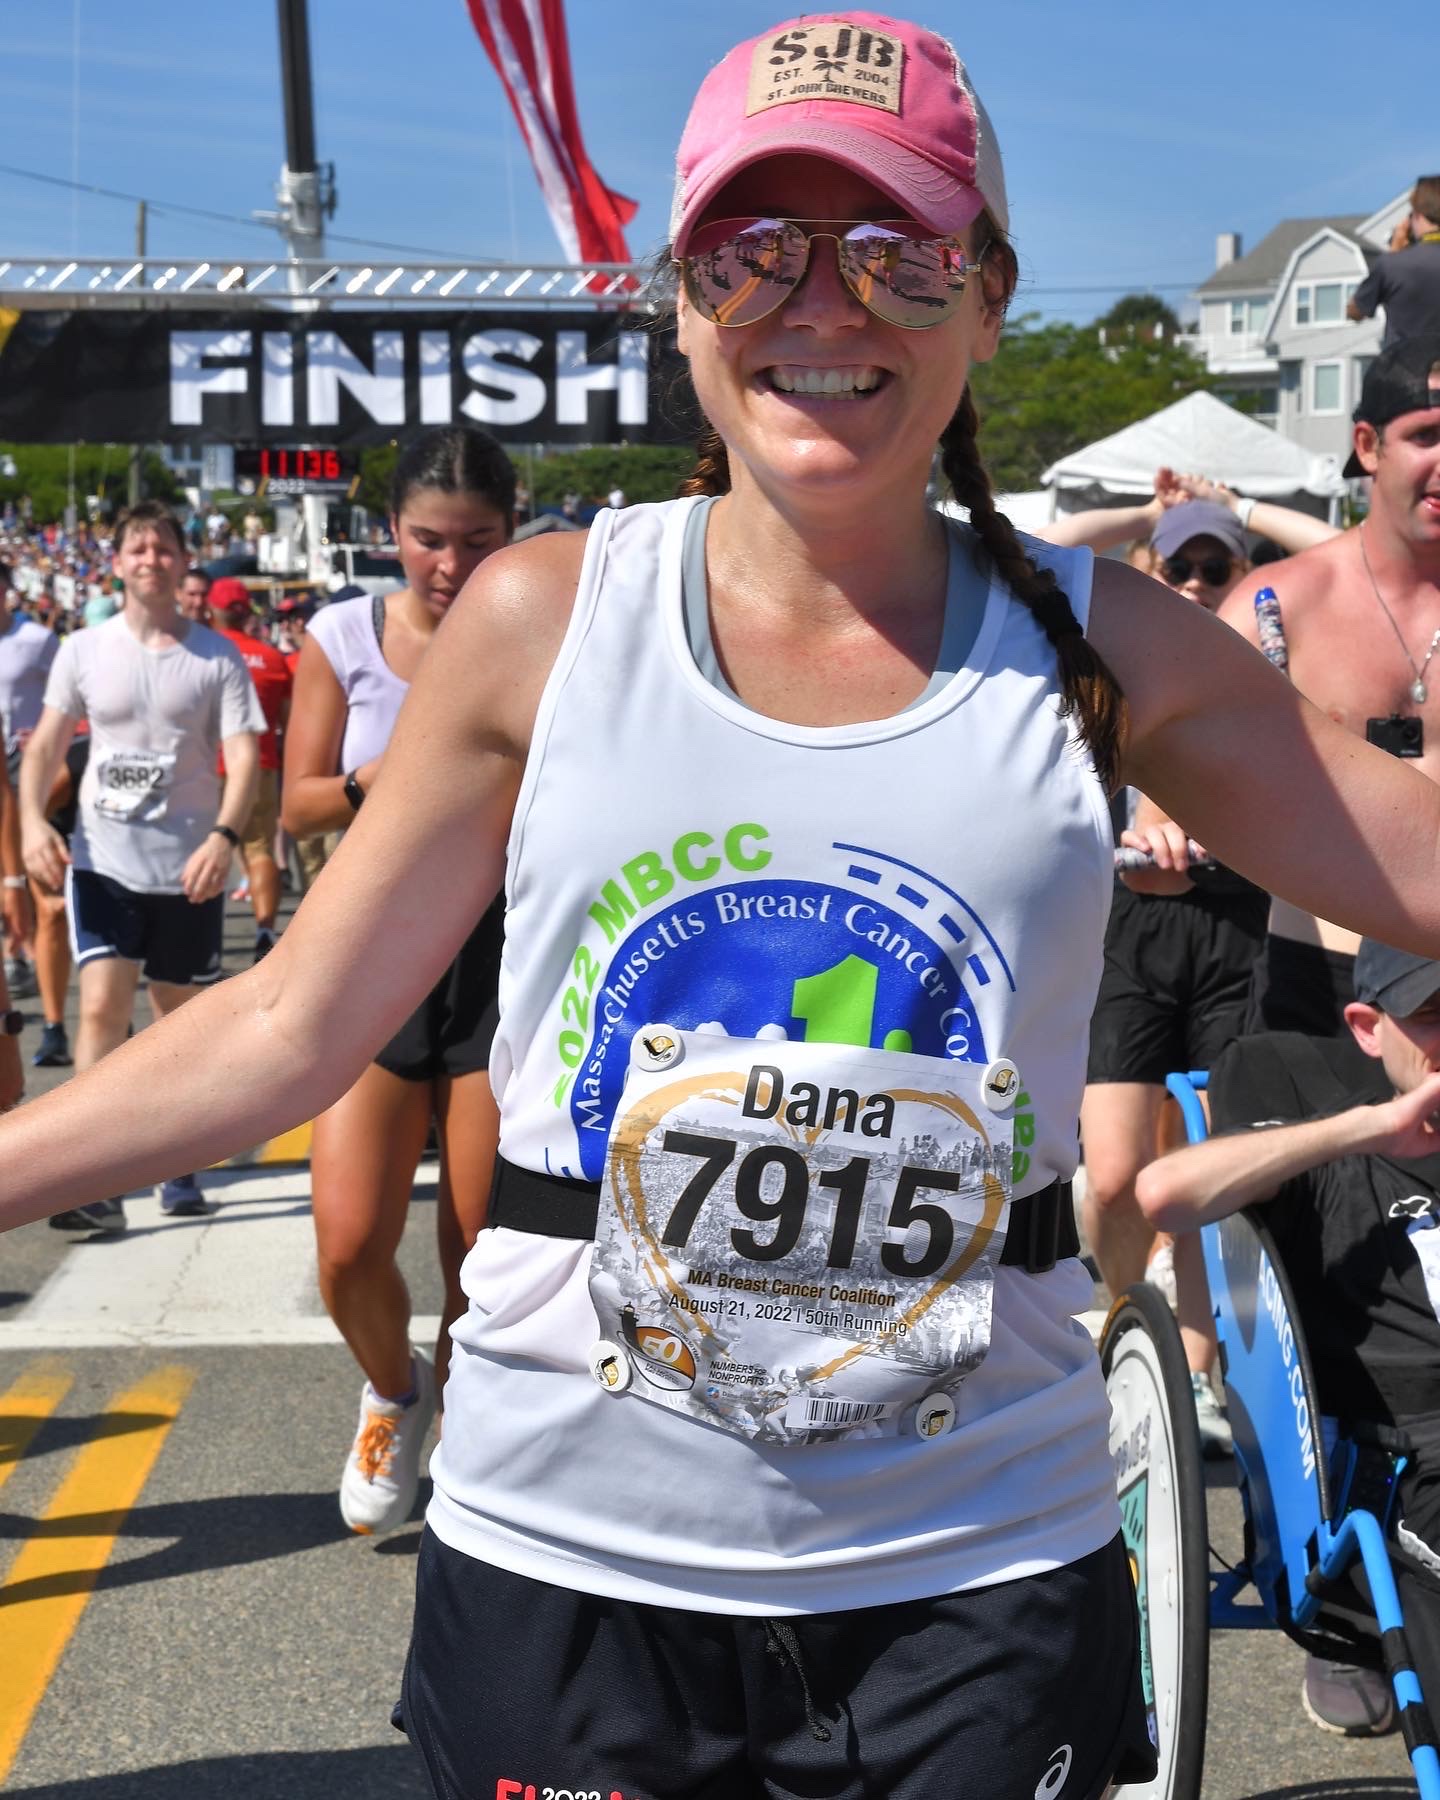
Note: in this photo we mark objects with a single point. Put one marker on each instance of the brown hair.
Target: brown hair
(1425, 199)
(1088, 688)
(149, 512)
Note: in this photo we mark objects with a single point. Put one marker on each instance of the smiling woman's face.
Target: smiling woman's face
(891, 392)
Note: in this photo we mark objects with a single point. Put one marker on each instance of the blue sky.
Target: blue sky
(1131, 137)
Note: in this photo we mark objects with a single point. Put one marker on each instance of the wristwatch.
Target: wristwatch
(232, 838)
(354, 793)
(12, 1023)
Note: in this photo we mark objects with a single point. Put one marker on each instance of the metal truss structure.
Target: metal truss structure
(292, 284)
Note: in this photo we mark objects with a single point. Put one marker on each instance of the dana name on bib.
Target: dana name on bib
(766, 1097)
(797, 1241)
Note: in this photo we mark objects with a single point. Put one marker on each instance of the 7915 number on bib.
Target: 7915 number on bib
(798, 1240)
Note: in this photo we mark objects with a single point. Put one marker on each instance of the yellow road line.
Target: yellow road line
(25, 1407)
(59, 1567)
(291, 1146)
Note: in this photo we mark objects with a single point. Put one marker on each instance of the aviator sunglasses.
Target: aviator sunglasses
(739, 270)
(1214, 571)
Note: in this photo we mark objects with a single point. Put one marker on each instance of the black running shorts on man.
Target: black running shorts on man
(174, 940)
(1176, 980)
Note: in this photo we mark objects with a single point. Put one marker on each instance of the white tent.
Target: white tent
(1198, 434)
(1030, 511)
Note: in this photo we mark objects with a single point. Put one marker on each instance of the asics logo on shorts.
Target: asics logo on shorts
(1055, 1777)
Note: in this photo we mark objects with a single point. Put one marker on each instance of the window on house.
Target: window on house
(1246, 316)
(1267, 403)
(1320, 302)
(1329, 302)
(1327, 384)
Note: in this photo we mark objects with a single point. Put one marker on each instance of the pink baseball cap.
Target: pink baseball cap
(880, 96)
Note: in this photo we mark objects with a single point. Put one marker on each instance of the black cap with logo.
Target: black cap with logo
(1403, 379)
(1396, 981)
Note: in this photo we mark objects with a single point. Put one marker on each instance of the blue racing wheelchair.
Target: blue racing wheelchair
(1310, 1515)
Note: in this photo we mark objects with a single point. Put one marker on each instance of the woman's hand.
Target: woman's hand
(1168, 846)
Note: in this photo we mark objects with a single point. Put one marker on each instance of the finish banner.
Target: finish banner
(352, 378)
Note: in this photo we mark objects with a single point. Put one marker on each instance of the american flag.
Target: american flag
(526, 41)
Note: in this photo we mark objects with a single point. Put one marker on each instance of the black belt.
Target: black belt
(1042, 1225)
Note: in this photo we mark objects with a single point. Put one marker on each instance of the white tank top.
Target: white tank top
(678, 857)
(374, 693)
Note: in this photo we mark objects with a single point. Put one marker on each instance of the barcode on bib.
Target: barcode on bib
(812, 1413)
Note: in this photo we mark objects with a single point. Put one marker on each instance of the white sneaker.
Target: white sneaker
(1216, 1438)
(382, 1471)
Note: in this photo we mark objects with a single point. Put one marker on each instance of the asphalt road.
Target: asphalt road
(191, 1409)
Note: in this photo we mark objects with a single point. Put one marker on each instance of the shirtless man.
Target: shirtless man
(1362, 622)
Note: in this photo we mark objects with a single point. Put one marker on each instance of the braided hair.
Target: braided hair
(711, 474)
(1088, 689)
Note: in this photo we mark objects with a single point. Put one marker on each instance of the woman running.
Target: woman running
(774, 1461)
(451, 505)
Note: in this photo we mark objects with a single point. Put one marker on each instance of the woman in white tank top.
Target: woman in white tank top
(452, 504)
(773, 1460)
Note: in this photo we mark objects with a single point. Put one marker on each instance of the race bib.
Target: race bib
(133, 785)
(797, 1242)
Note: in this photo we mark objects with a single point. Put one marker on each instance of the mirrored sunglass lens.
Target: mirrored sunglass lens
(738, 271)
(903, 277)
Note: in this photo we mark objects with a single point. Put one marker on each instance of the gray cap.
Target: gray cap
(1197, 518)
(1394, 980)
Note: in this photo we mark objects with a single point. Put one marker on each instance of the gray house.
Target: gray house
(1272, 323)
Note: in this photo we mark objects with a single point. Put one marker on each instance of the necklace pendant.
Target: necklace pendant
(1419, 693)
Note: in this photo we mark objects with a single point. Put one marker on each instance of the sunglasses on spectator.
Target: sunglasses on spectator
(738, 271)
(1214, 571)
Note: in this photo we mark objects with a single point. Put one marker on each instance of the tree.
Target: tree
(42, 472)
(1053, 388)
(1137, 315)
(643, 471)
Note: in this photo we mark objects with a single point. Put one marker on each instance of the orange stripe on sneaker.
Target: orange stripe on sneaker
(51, 1580)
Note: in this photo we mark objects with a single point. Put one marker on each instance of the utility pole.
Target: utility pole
(306, 193)
(137, 450)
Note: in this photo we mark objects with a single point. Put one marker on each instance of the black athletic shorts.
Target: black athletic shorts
(1300, 987)
(172, 938)
(450, 1032)
(1030, 1687)
(1176, 980)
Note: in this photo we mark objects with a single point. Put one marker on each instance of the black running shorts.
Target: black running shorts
(1300, 987)
(172, 938)
(1176, 980)
(1031, 1687)
(450, 1032)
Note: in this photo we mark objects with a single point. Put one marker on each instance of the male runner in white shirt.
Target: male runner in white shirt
(145, 883)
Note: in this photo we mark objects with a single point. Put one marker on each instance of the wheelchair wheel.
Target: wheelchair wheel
(1155, 1446)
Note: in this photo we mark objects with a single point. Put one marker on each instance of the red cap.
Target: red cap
(880, 96)
(229, 594)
